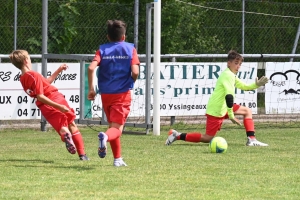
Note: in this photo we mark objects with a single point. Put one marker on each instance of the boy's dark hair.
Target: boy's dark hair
(115, 30)
(233, 55)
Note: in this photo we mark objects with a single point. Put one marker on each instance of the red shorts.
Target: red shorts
(56, 118)
(116, 106)
(213, 124)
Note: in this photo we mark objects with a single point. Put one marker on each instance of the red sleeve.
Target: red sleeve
(135, 59)
(97, 57)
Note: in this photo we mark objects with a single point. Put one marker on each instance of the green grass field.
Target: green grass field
(36, 165)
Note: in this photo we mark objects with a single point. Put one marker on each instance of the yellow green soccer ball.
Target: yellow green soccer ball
(218, 145)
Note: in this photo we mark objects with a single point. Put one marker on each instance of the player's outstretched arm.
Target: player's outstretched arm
(55, 74)
(244, 86)
(42, 98)
(229, 103)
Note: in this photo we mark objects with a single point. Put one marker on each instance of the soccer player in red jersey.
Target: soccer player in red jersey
(118, 70)
(52, 103)
(220, 106)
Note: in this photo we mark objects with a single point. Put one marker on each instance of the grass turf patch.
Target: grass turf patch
(36, 165)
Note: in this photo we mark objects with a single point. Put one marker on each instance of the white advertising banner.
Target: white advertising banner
(283, 90)
(185, 89)
(16, 104)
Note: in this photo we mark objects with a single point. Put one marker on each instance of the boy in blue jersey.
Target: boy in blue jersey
(118, 70)
(220, 106)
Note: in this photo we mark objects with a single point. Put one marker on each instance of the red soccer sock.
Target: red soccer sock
(113, 133)
(193, 137)
(78, 141)
(190, 137)
(115, 146)
(249, 126)
(62, 136)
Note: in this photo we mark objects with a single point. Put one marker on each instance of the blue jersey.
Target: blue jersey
(114, 73)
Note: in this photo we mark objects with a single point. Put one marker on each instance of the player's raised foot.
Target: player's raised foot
(102, 144)
(255, 142)
(83, 157)
(69, 143)
(173, 134)
(119, 162)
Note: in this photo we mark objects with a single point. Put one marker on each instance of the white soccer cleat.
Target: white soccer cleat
(173, 134)
(119, 162)
(255, 142)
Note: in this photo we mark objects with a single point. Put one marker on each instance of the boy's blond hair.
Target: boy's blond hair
(18, 57)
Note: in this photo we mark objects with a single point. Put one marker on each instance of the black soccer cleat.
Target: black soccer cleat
(83, 157)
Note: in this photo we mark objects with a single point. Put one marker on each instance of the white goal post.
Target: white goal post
(157, 43)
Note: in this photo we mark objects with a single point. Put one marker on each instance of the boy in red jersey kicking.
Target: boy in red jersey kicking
(52, 103)
(118, 70)
(220, 106)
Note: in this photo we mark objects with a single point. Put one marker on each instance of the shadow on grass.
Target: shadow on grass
(191, 144)
(58, 166)
(30, 160)
(24, 163)
(206, 144)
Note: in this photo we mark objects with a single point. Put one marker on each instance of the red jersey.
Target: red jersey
(34, 83)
